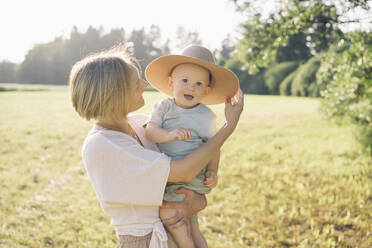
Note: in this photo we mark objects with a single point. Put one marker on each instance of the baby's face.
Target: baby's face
(189, 84)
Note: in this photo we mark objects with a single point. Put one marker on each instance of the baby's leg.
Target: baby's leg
(181, 234)
(197, 236)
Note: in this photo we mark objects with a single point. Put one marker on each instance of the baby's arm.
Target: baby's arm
(159, 135)
(211, 177)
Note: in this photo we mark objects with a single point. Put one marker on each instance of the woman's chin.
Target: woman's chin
(141, 104)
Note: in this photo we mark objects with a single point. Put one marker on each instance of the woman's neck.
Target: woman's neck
(116, 125)
(121, 126)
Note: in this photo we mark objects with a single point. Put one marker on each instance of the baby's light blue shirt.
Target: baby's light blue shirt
(200, 120)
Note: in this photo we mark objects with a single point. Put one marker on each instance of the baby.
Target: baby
(181, 124)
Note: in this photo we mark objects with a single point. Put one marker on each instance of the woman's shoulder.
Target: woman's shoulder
(103, 143)
(138, 121)
(101, 139)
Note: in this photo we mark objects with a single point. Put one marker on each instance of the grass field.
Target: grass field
(287, 178)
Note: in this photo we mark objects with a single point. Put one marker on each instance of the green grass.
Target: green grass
(286, 179)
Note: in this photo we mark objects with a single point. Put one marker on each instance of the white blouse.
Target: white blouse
(128, 179)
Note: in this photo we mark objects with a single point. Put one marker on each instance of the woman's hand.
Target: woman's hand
(211, 179)
(233, 109)
(192, 204)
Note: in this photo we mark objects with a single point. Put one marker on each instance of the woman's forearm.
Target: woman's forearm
(213, 164)
(187, 168)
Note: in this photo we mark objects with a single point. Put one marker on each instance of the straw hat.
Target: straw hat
(224, 82)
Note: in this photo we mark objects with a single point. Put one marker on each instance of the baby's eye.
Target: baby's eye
(185, 80)
(199, 83)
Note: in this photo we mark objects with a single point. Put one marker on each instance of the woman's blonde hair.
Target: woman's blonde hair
(100, 84)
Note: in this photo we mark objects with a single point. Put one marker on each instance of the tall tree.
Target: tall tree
(185, 38)
(143, 45)
(115, 36)
(38, 66)
(7, 72)
(225, 53)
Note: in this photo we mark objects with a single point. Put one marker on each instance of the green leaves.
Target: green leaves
(263, 37)
(348, 95)
(318, 20)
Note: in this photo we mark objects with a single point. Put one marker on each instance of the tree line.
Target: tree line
(50, 63)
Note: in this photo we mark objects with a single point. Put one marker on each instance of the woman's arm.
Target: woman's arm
(184, 170)
(213, 164)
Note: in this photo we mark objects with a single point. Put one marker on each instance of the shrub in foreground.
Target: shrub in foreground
(347, 73)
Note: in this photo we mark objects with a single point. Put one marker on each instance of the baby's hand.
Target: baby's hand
(180, 134)
(211, 179)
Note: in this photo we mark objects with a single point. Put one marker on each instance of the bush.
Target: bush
(286, 84)
(276, 73)
(347, 72)
(250, 84)
(305, 77)
(254, 84)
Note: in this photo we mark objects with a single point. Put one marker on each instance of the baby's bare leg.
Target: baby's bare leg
(181, 234)
(197, 236)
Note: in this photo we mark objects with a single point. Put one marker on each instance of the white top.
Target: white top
(200, 120)
(128, 179)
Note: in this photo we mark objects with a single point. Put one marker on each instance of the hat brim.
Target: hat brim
(224, 82)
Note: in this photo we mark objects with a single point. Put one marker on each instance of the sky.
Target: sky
(24, 23)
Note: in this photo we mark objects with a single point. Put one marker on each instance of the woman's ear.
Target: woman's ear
(170, 83)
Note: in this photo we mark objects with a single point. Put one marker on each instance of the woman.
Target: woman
(126, 170)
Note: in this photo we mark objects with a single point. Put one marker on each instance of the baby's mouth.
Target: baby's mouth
(188, 97)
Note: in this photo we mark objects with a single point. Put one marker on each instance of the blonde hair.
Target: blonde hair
(100, 84)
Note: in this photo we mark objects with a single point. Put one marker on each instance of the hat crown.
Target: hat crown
(198, 52)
